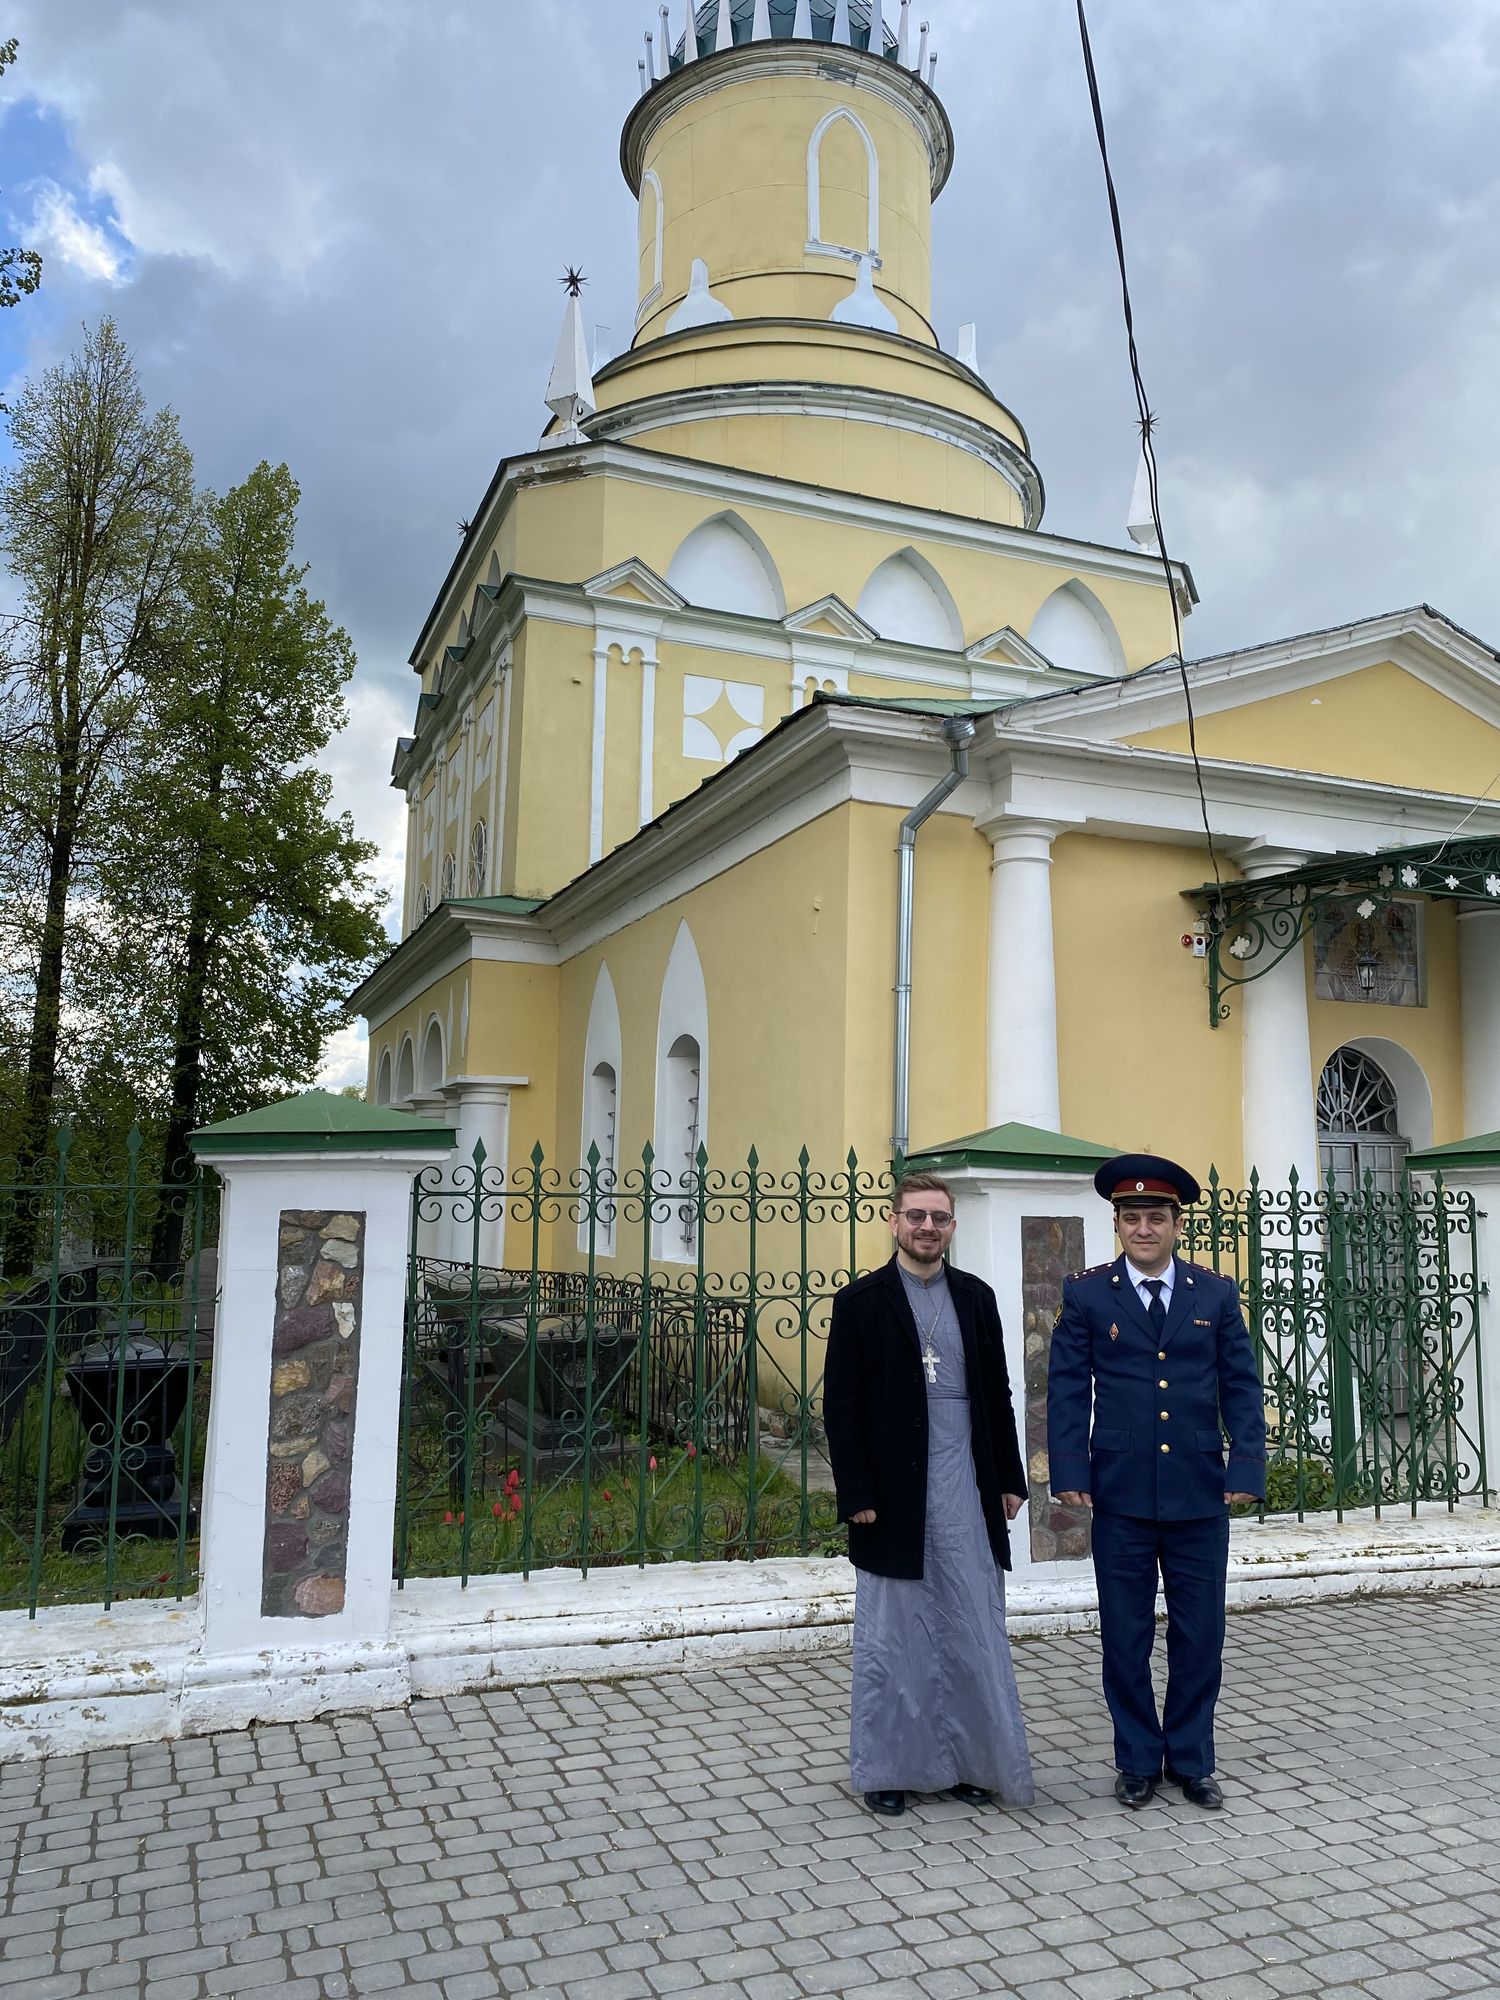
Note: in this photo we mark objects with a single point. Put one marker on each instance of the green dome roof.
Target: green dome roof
(783, 14)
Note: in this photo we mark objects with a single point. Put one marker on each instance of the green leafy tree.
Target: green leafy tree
(20, 270)
(244, 905)
(97, 510)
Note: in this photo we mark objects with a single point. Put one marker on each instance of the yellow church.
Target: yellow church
(779, 778)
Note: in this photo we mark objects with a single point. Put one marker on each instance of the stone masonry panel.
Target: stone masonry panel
(314, 1382)
(1051, 1248)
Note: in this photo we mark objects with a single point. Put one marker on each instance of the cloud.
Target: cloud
(345, 1059)
(58, 230)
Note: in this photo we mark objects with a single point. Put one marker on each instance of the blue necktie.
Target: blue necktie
(1156, 1312)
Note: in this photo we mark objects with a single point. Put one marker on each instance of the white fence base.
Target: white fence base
(75, 1678)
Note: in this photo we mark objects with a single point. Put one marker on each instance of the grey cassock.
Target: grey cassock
(934, 1701)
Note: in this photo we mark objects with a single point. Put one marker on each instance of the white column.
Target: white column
(480, 1108)
(1022, 1021)
(597, 753)
(1479, 989)
(648, 737)
(435, 1232)
(1279, 1118)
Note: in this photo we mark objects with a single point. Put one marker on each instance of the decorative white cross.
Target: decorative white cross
(930, 1360)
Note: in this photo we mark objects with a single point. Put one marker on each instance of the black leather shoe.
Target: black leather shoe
(972, 1795)
(890, 1805)
(1203, 1792)
(1134, 1792)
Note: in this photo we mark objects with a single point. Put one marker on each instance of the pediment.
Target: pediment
(1006, 648)
(830, 618)
(635, 582)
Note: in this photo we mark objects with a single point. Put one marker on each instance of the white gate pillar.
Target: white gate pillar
(1022, 1080)
(1472, 1167)
(1479, 999)
(299, 1478)
(1279, 1118)
(1027, 1217)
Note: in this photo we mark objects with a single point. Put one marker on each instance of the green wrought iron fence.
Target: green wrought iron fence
(627, 1369)
(104, 1375)
(1364, 1304)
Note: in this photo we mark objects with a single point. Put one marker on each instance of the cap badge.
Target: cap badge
(1140, 1187)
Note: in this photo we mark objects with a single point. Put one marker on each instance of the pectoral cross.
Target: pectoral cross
(930, 1360)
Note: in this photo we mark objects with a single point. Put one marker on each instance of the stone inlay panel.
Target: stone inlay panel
(314, 1380)
(1051, 1247)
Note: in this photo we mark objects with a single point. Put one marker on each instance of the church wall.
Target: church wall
(732, 165)
(1432, 1034)
(1380, 723)
(1139, 1066)
(552, 710)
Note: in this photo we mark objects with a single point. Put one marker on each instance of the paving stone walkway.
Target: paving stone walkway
(692, 1834)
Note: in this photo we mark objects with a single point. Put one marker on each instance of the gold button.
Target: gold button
(1164, 1416)
(1162, 1384)
(1161, 1354)
(1166, 1447)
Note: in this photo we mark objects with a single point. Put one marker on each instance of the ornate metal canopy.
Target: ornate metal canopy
(1252, 926)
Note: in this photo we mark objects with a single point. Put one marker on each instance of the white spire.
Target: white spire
(862, 307)
(932, 70)
(700, 307)
(1141, 527)
(724, 39)
(570, 392)
(802, 22)
(645, 80)
(841, 32)
(922, 50)
(690, 33)
(666, 41)
(877, 27)
(968, 345)
(903, 36)
(760, 29)
(650, 57)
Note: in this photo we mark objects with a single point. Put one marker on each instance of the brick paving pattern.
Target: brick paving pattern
(692, 1834)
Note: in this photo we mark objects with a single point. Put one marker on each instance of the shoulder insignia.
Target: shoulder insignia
(1092, 1272)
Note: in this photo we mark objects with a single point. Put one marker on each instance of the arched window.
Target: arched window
(1074, 630)
(406, 1071)
(424, 904)
(843, 187)
(908, 601)
(383, 1078)
(653, 238)
(450, 877)
(479, 854)
(681, 1100)
(601, 1109)
(724, 565)
(433, 1067)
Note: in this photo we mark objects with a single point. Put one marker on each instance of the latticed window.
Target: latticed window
(450, 878)
(424, 904)
(684, 1094)
(1355, 1097)
(479, 854)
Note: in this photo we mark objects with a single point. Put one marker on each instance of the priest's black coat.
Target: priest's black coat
(875, 1412)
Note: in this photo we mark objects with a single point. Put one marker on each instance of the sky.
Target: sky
(332, 233)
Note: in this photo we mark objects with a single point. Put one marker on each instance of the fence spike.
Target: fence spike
(479, 1155)
(752, 1160)
(537, 1156)
(593, 1156)
(804, 1159)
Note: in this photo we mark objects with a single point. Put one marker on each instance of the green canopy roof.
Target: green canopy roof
(1483, 1150)
(320, 1121)
(1016, 1148)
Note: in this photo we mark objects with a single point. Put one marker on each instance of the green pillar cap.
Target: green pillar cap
(320, 1121)
(1017, 1149)
(1483, 1150)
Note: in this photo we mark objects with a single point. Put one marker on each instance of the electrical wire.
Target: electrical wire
(1147, 422)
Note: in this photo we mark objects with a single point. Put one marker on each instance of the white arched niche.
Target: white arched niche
(1409, 1081)
(725, 566)
(908, 601)
(653, 230)
(383, 1078)
(602, 1065)
(871, 246)
(406, 1071)
(433, 1067)
(1074, 630)
(681, 1124)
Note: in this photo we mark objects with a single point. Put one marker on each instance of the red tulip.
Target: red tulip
(607, 1494)
(652, 1464)
(512, 1479)
(497, 1510)
(447, 1520)
(692, 1451)
(515, 1503)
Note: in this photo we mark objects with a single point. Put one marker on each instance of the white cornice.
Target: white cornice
(1434, 652)
(837, 402)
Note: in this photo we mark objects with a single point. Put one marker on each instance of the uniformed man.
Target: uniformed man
(1161, 1349)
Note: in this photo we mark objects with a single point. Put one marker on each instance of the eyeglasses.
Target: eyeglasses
(938, 1217)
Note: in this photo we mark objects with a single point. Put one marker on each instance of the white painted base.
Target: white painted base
(78, 1679)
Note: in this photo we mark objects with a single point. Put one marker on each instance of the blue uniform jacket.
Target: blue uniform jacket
(1161, 1404)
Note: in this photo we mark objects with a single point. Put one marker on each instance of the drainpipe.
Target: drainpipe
(958, 734)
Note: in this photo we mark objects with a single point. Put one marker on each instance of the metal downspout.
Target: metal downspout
(958, 734)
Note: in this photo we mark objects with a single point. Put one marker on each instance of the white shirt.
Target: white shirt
(1167, 1279)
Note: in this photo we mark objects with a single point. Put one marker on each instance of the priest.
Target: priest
(922, 1436)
